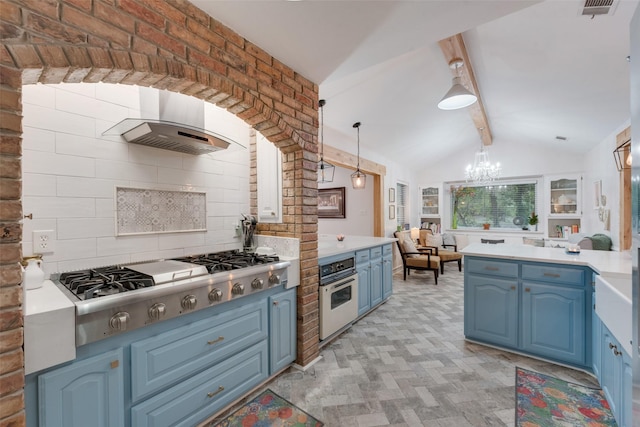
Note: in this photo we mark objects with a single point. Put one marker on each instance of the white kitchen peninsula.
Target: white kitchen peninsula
(328, 244)
(542, 302)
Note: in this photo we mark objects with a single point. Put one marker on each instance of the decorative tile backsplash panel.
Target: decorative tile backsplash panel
(144, 211)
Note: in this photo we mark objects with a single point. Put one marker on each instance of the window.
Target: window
(503, 205)
(401, 200)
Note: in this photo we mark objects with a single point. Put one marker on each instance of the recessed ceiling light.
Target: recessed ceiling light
(561, 138)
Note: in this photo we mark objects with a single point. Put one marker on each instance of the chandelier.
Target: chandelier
(358, 178)
(482, 170)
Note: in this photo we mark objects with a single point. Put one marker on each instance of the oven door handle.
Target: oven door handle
(343, 284)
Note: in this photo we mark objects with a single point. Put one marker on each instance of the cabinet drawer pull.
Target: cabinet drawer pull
(114, 364)
(275, 303)
(213, 393)
(488, 267)
(527, 289)
(513, 288)
(551, 275)
(215, 341)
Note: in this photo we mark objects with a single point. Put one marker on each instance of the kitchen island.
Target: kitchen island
(328, 244)
(541, 302)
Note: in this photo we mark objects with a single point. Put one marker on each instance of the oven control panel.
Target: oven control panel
(336, 270)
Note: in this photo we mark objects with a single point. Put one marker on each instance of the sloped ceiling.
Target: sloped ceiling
(543, 69)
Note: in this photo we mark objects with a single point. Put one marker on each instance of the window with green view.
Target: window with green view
(504, 205)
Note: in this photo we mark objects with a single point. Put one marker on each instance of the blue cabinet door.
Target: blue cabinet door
(553, 322)
(89, 392)
(611, 371)
(376, 282)
(387, 276)
(490, 310)
(282, 329)
(626, 405)
(596, 332)
(364, 302)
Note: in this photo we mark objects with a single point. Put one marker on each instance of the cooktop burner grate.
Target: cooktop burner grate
(97, 282)
(228, 260)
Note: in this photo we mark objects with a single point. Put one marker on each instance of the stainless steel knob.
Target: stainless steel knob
(189, 302)
(274, 279)
(157, 311)
(257, 283)
(119, 321)
(238, 289)
(215, 295)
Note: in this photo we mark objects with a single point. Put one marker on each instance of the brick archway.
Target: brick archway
(172, 46)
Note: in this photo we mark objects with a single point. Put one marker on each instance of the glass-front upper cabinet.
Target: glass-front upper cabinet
(430, 201)
(564, 196)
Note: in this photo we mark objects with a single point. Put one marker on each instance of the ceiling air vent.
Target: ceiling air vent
(599, 7)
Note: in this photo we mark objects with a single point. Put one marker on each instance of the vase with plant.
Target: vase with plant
(533, 221)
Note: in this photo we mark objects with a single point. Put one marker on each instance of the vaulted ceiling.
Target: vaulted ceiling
(543, 70)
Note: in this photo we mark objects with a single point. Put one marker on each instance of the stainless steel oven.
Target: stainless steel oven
(338, 296)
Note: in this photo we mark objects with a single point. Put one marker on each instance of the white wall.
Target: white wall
(70, 172)
(600, 166)
(358, 207)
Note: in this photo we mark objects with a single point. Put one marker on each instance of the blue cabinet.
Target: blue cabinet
(490, 309)
(553, 322)
(536, 308)
(191, 401)
(387, 271)
(596, 332)
(282, 329)
(86, 393)
(374, 267)
(616, 376)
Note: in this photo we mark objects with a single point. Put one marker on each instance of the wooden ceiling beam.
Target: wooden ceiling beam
(453, 47)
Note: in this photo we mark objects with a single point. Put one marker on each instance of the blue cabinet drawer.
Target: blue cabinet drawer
(193, 400)
(159, 361)
(376, 252)
(387, 250)
(362, 256)
(491, 267)
(552, 273)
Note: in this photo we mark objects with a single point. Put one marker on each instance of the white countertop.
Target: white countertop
(609, 263)
(328, 245)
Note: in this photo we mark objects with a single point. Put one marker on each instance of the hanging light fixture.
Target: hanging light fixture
(325, 169)
(358, 179)
(482, 171)
(622, 156)
(458, 96)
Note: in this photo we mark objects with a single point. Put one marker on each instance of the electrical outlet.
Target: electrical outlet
(44, 241)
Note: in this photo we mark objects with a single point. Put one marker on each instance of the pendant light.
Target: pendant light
(325, 170)
(358, 179)
(458, 96)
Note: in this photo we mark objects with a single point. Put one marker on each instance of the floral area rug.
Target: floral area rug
(543, 401)
(267, 410)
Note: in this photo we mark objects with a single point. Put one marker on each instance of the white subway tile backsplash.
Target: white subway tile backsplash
(106, 208)
(123, 95)
(57, 121)
(155, 156)
(185, 177)
(70, 171)
(36, 184)
(85, 106)
(59, 207)
(109, 169)
(127, 244)
(56, 164)
(78, 228)
(42, 95)
(83, 146)
(38, 139)
(180, 240)
(87, 187)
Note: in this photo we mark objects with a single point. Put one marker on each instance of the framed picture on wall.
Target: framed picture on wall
(392, 211)
(331, 203)
(597, 194)
(392, 196)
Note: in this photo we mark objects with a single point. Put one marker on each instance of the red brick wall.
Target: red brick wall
(169, 45)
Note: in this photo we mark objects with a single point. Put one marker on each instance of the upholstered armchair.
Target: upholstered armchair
(447, 252)
(415, 259)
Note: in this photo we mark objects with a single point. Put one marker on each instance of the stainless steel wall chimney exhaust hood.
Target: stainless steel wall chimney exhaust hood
(169, 136)
(179, 126)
